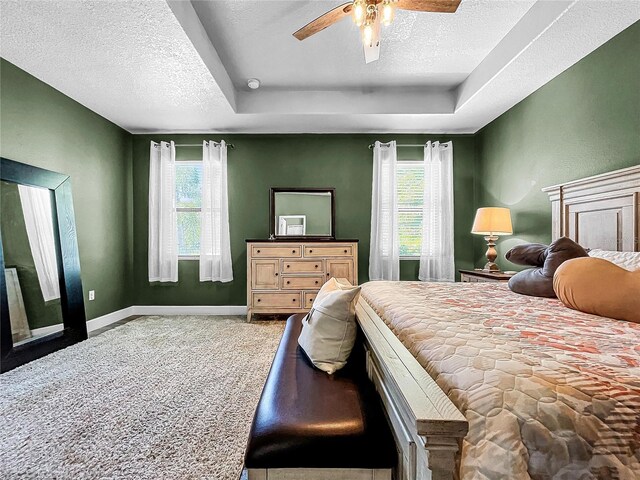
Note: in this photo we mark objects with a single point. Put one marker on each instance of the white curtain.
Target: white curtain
(384, 254)
(436, 259)
(163, 244)
(215, 246)
(38, 219)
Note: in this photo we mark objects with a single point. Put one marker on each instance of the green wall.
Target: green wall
(263, 161)
(17, 254)
(584, 122)
(40, 126)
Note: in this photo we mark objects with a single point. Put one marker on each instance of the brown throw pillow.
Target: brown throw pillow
(531, 254)
(538, 282)
(559, 252)
(597, 286)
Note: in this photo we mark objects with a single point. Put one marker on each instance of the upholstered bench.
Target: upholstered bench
(313, 426)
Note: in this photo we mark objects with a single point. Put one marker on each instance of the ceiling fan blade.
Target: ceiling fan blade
(440, 6)
(324, 21)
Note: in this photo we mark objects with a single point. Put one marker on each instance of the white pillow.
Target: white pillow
(627, 260)
(329, 329)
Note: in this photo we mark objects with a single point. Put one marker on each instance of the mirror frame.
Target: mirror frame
(71, 294)
(272, 213)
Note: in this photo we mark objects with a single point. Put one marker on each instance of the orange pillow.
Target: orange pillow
(593, 285)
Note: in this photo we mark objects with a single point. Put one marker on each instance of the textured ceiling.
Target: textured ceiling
(129, 61)
(177, 66)
(254, 39)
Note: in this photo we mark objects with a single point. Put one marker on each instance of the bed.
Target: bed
(479, 382)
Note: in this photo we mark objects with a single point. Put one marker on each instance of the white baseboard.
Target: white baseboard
(189, 310)
(109, 318)
(113, 317)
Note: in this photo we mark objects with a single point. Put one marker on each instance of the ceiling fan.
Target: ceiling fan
(369, 15)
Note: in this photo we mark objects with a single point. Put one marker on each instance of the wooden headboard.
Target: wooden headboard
(600, 211)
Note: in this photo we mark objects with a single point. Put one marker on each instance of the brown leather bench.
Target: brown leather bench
(314, 426)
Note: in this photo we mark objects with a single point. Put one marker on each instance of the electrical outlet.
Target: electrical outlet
(92, 295)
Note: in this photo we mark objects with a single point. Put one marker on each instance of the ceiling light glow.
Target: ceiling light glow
(387, 13)
(367, 35)
(358, 12)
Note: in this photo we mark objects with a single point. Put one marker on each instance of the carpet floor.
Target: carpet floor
(168, 397)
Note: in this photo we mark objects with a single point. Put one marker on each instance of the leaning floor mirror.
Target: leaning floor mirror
(42, 302)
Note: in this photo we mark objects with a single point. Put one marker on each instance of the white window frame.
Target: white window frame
(186, 209)
(410, 163)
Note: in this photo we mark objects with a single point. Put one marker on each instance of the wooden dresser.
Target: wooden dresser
(284, 276)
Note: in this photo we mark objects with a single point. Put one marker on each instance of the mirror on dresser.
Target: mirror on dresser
(40, 286)
(306, 213)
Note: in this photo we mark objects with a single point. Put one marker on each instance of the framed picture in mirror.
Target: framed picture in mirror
(302, 213)
(42, 305)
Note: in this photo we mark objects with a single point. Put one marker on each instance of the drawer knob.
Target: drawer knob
(316, 266)
(328, 274)
(345, 251)
(276, 274)
(311, 299)
(316, 282)
(258, 300)
(288, 282)
(293, 251)
(288, 266)
(294, 299)
(258, 251)
(310, 251)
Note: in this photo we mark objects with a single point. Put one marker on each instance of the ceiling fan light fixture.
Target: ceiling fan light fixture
(358, 12)
(387, 13)
(367, 34)
(370, 16)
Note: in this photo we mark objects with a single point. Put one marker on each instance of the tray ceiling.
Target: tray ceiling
(253, 39)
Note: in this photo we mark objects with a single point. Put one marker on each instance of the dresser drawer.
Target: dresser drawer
(276, 251)
(301, 282)
(302, 266)
(308, 298)
(328, 250)
(279, 300)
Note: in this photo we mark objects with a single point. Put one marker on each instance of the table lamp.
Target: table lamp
(491, 222)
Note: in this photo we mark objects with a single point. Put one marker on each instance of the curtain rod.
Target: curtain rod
(229, 145)
(399, 145)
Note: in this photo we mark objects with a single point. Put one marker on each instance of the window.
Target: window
(410, 197)
(188, 206)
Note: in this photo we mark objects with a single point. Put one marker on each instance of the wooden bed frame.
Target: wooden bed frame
(598, 212)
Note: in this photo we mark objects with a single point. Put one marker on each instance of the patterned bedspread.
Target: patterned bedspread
(549, 393)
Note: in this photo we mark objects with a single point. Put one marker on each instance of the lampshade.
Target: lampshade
(492, 221)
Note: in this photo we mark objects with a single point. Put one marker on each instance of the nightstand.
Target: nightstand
(484, 276)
